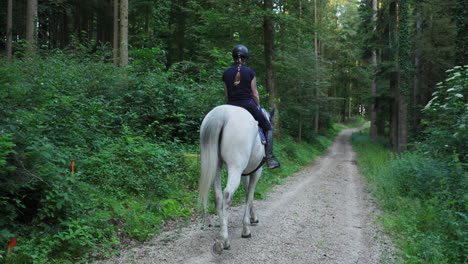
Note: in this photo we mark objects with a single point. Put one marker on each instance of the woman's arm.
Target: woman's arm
(225, 91)
(255, 96)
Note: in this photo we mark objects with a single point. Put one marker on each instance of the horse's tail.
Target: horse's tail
(210, 136)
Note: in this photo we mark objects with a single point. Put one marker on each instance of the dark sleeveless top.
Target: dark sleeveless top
(244, 90)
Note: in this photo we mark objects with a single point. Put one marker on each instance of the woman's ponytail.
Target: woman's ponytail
(238, 75)
(240, 53)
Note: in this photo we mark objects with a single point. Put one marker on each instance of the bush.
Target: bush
(132, 165)
(446, 119)
(415, 175)
(63, 109)
(423, 200)
(423, 192)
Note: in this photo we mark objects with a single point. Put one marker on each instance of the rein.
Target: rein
(256, 169)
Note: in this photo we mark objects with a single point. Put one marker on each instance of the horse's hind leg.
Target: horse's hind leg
(249, 215)
(218, 193)
(231, 187)
(220, 205)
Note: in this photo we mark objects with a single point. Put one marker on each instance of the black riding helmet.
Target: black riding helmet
(240, 51)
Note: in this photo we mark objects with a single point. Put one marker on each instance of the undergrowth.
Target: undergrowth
(423, 201)
(124, 131)
(131, 136)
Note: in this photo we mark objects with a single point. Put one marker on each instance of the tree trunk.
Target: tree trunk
(383, 108)
(404, 68)
(177, 41)
(394, 89)
(350, 100)
(31, 26)
(9, 30)
(417, 74)
(268, 34)
(67, 28)
(316, 119)
(115, 37)
(373, 108)
(402, 123)
(123, 33)
(461, 42)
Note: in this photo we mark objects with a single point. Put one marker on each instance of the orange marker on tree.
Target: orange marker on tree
(11, 245)
(73, 166)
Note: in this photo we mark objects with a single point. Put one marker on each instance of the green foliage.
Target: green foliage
(171, 209)
(132, 165)
(6, 148)
(122, 142)
(140, 220)
(148, 59)
(423, 201)
(446, 119)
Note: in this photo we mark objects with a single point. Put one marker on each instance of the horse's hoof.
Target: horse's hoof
(227, 246)
(247, 236)
(254, 221)
(217, 249)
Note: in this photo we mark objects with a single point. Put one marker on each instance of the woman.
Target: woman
(240, 89)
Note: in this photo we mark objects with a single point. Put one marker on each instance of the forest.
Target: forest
(101, 103)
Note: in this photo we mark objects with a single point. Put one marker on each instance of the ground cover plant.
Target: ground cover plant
(121, 128)
(132, 137)
(423, 191)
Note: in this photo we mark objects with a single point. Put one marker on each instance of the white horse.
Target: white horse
(229, 139)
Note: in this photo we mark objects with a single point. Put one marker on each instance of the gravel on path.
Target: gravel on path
(321, 214)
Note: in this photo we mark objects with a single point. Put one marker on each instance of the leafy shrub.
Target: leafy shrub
(6, 149)
(63, 109)
(132, 165)
(446, 118)
(147, 60)
(414, 175)
(423, 200)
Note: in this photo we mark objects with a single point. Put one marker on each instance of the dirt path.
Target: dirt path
(322, 214)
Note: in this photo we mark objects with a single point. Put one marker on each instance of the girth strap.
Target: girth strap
(256, 169)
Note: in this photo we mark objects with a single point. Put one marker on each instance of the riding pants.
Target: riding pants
(252, 107)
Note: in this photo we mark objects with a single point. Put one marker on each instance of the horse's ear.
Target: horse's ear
(272, 113)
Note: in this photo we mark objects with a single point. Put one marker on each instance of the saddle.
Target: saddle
(262, 135)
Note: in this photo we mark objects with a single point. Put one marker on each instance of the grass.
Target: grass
(421, 210)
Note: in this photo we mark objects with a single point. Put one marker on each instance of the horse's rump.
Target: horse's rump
(228, 136)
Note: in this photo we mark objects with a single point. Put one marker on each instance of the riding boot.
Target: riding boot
(271, 160)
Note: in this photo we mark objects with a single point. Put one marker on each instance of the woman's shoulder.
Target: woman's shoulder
(230, 67)
(249, 70)
(227, 70)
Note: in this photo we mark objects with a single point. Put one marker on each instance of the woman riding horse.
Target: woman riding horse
(240, 89)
